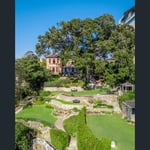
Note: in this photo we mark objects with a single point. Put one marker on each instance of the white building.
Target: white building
(128, 17)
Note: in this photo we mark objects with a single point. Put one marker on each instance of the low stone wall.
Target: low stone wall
(44, 131)
(70, 98)
(99, 110)
(64, 106)
(62, 89)
(110, 100)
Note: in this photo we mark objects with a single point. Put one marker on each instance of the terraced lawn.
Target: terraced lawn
(39, 113)
(113, 127)
(83, 93)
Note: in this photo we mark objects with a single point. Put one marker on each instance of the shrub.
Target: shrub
(38, 102)
(75, 109)
(127, 96)
(49, 106)
(70, 125)
(59, 138)
(44, 93)
(45, 123)
(58, 83)
(109, 106)
(27, 105)
(99, 102)
(23, 136)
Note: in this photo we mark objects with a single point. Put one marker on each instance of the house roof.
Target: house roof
(130, 104)
(52, 55)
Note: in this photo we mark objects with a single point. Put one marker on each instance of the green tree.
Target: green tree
(31, 72)
(89, 43)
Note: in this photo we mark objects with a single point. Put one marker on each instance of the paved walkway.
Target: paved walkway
(59, 125)
(44, 145)
(73, 144)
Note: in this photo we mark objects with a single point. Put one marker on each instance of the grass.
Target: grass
(63, 101)
(113, 127)
(86, 140)
(39, 113)
(70, 125)
(83, 93)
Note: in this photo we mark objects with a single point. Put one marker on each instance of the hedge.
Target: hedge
(59, 139)
(76, 125)
(85, 137)
(70, 125)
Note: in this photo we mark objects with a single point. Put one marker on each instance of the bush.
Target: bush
(49, 106)
(58, 83)
(109, 106)
(44, 93)
(23, 136)
(38, 102)
(127, 96)
(45, 123)
(70, 125)
(59, 139)
(99, 102)
(75, 109)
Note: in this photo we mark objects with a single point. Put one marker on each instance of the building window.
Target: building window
(57, 69)
(53, 69)
(53, 61)
(133, 110)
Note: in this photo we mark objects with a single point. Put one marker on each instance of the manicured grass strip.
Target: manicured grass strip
(59, 139)
(39, 113)
(113, 127)
(63, 101)
(83, 93)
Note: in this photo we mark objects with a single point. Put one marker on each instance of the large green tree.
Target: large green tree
(89, 43)
(30, 73)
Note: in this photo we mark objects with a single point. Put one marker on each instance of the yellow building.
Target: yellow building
(53, 63)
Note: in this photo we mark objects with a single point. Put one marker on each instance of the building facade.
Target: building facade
(53, 63)
(128, 110)
(128, 17)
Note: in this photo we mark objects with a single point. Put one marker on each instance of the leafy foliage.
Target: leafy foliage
(76, 126)
(127, 96)
(90, 43)
(59, 138)
(31, 74)
(23, 136)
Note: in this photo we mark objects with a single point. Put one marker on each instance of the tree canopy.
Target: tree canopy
(90, 43)
(30, 74)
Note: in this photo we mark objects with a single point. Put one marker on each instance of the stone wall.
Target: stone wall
(109, 100)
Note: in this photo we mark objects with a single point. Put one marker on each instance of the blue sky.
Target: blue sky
(34, 17)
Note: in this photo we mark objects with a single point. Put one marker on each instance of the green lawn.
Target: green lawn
(39, 113)
(83, 93)
(115, 128)
(63, 101)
